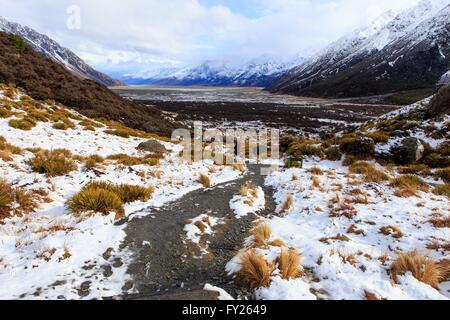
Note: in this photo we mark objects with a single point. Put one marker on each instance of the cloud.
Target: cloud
(126, 36)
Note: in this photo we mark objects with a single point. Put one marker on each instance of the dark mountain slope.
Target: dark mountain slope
(54, 51)
(44, 79)
(409, 51)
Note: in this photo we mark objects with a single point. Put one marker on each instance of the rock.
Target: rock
(152, 146)
(410, 151)
(440, 104)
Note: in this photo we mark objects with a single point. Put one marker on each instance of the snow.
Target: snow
(243, 205)
(223, 295)
(49, 253)
(347, 269)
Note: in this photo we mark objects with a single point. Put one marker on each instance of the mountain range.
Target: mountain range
(258, 72)
(57, 53)
(396, 52)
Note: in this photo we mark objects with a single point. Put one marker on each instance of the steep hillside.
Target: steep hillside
(396, 53)
(44, 79)
(52, 50)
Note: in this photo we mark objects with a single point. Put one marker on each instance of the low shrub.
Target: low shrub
(436, 160)
(361, 146)
(298, 149)
(333, 154)
(408, 185)
(93, 160)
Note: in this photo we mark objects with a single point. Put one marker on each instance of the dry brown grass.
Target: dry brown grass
(408, 186)
(127, 160)
(338, 237)
(288, 203)
(239, 167)
(205, 180)
(371, 174)
(289, 264)
(393, 231)
(277, 243)
(255, 270)
(201, 226)
(6, 197)
(261, 234)
(370, 296)
(53, 163)
(248, 189)
(444, 266)
(96, 200)
(5, 156)
(316, 171)
(422, 268)
(316, 182)
(440, 222)
(442, 190)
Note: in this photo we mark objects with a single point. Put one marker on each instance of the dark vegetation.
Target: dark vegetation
(43, 79)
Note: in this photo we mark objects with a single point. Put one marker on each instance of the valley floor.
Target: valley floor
(198, 225)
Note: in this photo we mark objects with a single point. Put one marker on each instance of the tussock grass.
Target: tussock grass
(239, 167)
(255, 270)
(316, 182)
(289, 264)
(288, 203)
(25, 124)
(261, 234)
(127, 193)
(53, 163)
(333, 154)
(6, 196)
(123, 133)
(127, 160)
(316, 171)
(440, 222)
(26, 200)
(205, 180)
(393, 231)
(371, 174)
(442, 190)
(277, 243)
(96, 200)
(63, 125)
(443, 174)
(408, 185)
(422, 268)
(415, 169)
(93, 160)
(248, 189)
(5, 156)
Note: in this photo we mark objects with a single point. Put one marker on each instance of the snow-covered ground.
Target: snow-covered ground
(49, 253)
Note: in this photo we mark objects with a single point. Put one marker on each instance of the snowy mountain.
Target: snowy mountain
(258, 72)
(406, 51)
(52, 50)
(445, 79)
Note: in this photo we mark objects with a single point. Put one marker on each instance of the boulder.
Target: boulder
(409, 151)
(152, 146)
(440, 104)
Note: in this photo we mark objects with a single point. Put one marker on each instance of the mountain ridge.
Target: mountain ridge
(50, 49)
(410, 51)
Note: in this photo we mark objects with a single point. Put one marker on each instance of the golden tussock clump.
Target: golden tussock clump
(393, 231)
(371, 174)
(316, 171)
(277, 243)
(261, 234)
(408, 185)
(440, 222)
(96, 200)
(288, 203)
(53, 163)
(255, 270)
(289, 264)
(239, 167)
(442, 190)
(248, 189)
(105, 197)
(316, 182)
(205, 180)
(422, 268)
(6, 196)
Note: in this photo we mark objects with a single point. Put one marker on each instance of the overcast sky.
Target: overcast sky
(118, 36)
